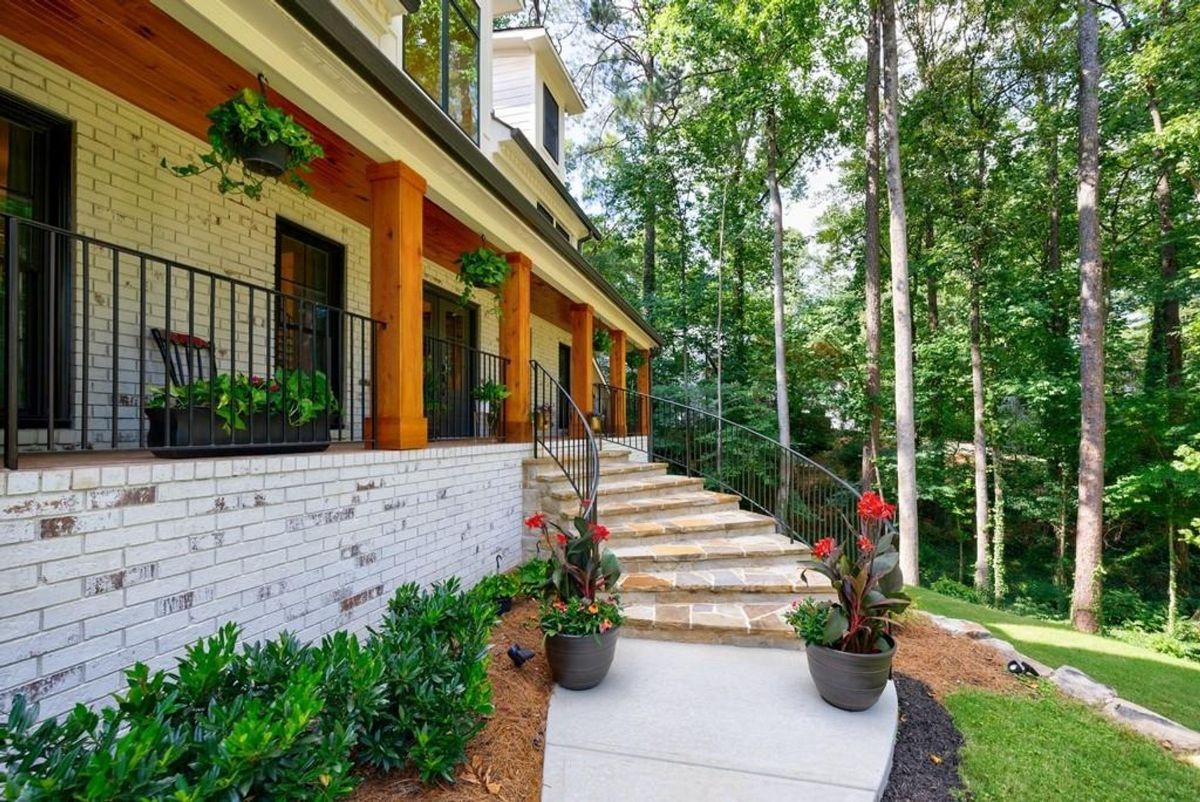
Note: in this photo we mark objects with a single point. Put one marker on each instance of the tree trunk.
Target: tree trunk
(931, 280)
(649, 244)
(906, 432)
(999, 581)
(1060, 529)
(873, 322)
(781, 384)
(982, 547)
(1164, 359)
(1089, 539)
(1172, 578)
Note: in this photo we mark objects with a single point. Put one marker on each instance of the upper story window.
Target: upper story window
(550, 123)
(441, 53)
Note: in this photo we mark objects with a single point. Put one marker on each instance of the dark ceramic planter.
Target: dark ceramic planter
(178, 433)
(269, 160)
(850, 681)
(579, 662)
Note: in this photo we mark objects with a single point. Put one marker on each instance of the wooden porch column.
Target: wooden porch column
(397, 276)
(516, 345)
(643, 387)
(582, 375)
(616, 370)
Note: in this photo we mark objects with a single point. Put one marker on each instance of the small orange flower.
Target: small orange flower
(593, 609)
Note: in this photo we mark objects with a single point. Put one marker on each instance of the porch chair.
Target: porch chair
(186, 356)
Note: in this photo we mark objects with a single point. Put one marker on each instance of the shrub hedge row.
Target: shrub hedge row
(275, 720)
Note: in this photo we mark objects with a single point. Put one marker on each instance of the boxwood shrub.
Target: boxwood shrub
(272, 720)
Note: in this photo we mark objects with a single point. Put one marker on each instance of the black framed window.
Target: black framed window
(310, 275)
(550, 139)
(545, 212)
(440, 52)
(35, 184)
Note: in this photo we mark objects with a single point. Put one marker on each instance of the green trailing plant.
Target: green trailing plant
(483, 269)
(299, 396)
(274, 720)
(601, 340)
(246, 120)
(635, 359)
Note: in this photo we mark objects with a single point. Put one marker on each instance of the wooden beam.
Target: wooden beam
(397, 278)
(643, 387)
(582, 374)
(516, 345)
(616, 370)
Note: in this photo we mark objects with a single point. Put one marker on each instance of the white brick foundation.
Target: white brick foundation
(101, 567)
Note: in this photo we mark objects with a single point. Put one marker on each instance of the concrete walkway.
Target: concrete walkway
(683, 721)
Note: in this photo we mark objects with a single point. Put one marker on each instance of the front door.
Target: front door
(35, 169)
(450, 365)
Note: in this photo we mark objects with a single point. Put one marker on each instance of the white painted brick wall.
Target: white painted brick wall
(103, 567)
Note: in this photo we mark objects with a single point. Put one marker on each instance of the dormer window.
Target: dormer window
(441, 53)
(550, 123)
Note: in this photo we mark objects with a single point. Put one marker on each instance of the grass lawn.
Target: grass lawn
(1167, 685)
(1048, 748)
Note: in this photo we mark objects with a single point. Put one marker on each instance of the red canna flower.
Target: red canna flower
(865, 544)
(562, 539)
(873, 508)
(536, 521)
(823, 548)
(599, 532)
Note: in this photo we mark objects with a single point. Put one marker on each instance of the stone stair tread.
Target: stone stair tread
(749, 547)
(751, 579)
(702, 498)
(726, 520)
(746, 618)
(663, 482)
(550, 477)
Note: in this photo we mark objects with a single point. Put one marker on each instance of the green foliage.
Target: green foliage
(299, 396)
(578, 596)
(498, 586)
(534, 578)
(955, 590)
(579, 616)
(482, 268)
(277, 720)
(810, 619)
(434, 649)
(247, 118)
(601, 340)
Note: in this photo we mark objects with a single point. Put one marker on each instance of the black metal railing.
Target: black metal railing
(807, 501)
(563, 432)
(108, 347)
(465, 390)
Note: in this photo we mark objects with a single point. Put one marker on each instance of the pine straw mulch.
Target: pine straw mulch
(947, 662)
(504, 762)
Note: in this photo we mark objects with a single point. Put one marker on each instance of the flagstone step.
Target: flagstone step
(557, 481)
(654, 509)
(751, 584)
(631, 489)
(547, 466)
(697, 524)
(759, 551)
(730, 623)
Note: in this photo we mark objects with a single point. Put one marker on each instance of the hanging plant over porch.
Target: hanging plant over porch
(601, 341)
(483, 269)
(252, 141)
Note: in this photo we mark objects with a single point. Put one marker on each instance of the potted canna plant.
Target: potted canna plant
(580, 613)
(848, 642)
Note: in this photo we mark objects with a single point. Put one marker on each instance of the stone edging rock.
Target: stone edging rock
(1079, 686)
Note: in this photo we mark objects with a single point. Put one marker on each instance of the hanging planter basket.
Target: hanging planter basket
(266, 160)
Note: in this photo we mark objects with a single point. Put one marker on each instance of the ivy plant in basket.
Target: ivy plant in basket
(580, 612)
(252, 141)
(849, 642)
(483, 269)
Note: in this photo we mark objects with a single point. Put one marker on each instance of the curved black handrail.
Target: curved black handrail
(807, 500)
(564, 433)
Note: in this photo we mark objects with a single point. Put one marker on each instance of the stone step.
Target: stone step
(696, 525)
(553, 481)
(729, 623)
(700, 554)
(619, 512)
(751, 584)
(547, 466)
(630, 489)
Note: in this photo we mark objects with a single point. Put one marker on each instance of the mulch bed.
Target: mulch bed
(504, 763)
(929, 664)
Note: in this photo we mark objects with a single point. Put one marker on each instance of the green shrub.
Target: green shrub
(277, 720)
(1125, 608)
(498, 586)
(434, 648)
(956, 590)
(534, 578)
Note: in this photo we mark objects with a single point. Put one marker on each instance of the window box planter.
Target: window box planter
(176, 433)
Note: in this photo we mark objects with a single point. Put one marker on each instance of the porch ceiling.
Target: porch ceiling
(147, 58)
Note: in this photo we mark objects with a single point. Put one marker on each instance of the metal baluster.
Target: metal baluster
(116, 341)
(11, 349)
(141, 340)
(51, 349)
(87, 342)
